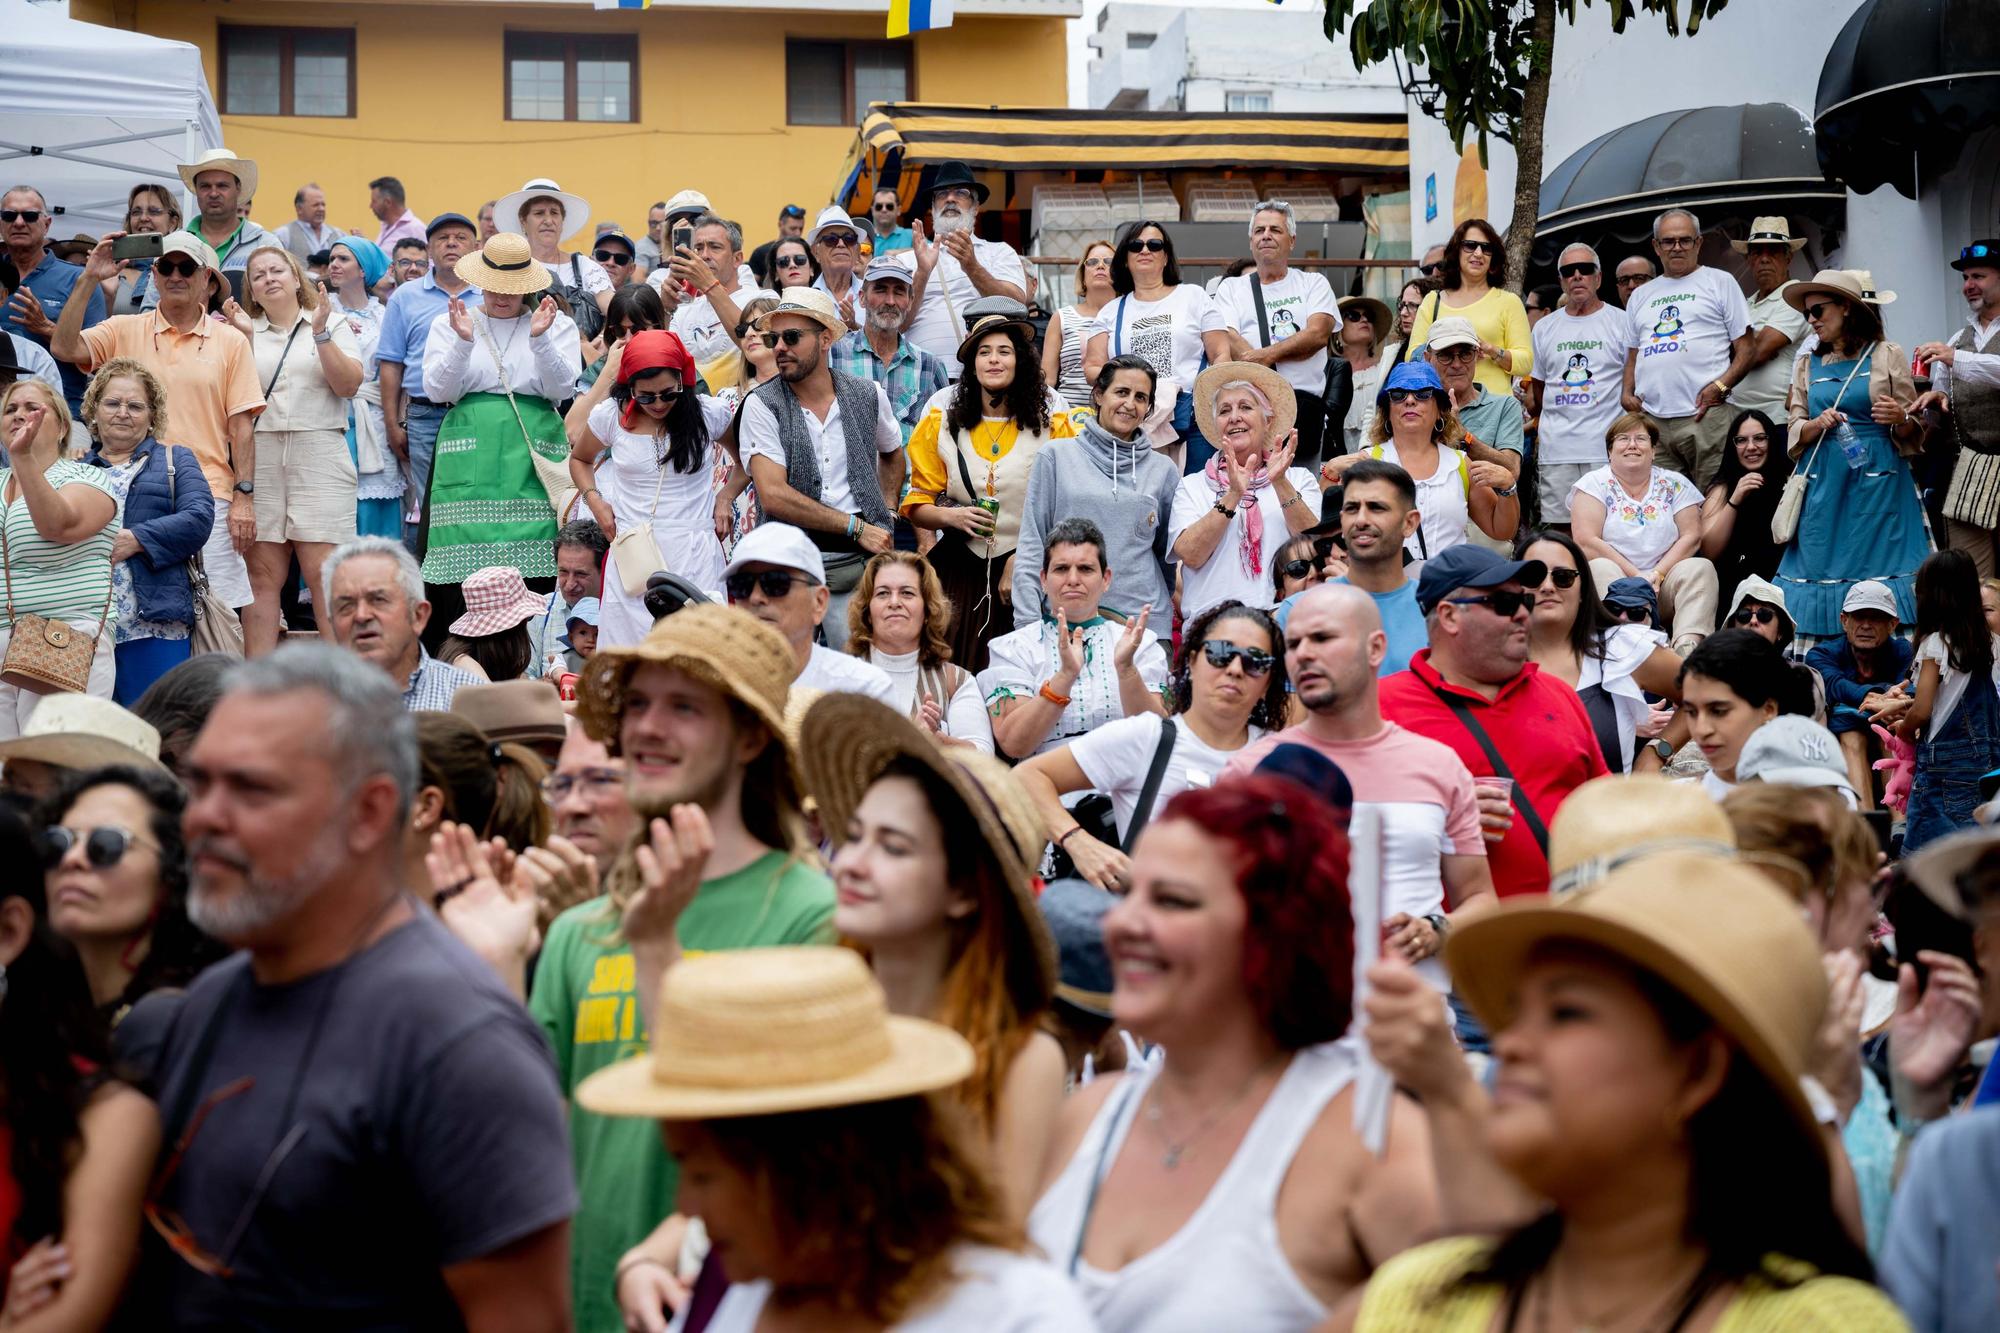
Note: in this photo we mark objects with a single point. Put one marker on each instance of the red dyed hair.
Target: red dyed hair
(1291, 859)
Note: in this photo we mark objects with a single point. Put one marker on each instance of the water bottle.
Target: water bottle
(1851, 447)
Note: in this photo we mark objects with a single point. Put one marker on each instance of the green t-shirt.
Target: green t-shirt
(585, 1000)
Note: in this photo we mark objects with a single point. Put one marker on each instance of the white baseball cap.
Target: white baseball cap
(1796, 751)
(1871, 595)
(1452, 331)
(778, 544)
(688, 202)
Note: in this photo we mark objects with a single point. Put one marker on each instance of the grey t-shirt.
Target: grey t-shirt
(404, 1117)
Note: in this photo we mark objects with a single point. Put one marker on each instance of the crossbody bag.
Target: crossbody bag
(216, 627)
(1529, 815)
(45, 656)
(1096, 814)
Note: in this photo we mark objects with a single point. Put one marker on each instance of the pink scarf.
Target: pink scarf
(1251, 550)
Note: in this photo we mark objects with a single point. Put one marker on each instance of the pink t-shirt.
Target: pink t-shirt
(1423, 792)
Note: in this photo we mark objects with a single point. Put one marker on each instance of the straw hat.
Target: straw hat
(849, 740)
(1276, 388)
(507, 211)
(504, 265)
(1769, 231)
(812, 303)
(1849, 284)
(992, 322)
(1612, 821)
(1377, 313)
(764, 1031)
(82, 731)
(513, 710)
(497, 599)
(1716, 931)
(721, 645)
(221, 159)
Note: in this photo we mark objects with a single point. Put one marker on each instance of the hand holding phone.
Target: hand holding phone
(139, 245)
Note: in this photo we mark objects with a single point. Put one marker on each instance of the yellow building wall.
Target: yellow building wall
(430, 92)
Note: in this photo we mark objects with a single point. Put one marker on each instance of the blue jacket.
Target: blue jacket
(1834, 661)
(169, 531)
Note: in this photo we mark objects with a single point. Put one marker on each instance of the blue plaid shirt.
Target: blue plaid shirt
(433, 684)
(910, 378)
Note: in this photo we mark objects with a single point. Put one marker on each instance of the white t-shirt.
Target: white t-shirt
(1682, 328)
(965, 716)
(829, 670)
(1117, 756)
(1581, 363)
(595, 279)
(995, 1292)
(1288, 304)
(1443, 498)
(938, 329)
(757, 436)
(1765, 387)
(1166, 332)
(1951, 683)
(700, 329)
(1226, 576)
(1641, 530)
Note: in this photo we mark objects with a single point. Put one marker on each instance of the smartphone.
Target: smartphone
(683, 235)
(139, 245)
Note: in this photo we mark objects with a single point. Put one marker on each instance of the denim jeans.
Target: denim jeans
(421, 426)
(1945, 789)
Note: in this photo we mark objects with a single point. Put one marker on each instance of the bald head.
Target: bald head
(1334, 647)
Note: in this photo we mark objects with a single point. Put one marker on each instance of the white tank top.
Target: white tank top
(1224, 1268)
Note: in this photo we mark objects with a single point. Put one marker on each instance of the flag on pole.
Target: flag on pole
(623, 4)
(909, 16)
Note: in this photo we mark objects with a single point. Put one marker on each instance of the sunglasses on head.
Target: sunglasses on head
(20, 215)
(1572, 270)
(1220, 653)
(647, 397)
(1563, 576)
(103, 847)
(610, 257)
(1762, 615)
(789, 337)
(1153, 243)
(1470, 246)
(1980, 251)
(1503, 604)
(775, 583)
(176, 268)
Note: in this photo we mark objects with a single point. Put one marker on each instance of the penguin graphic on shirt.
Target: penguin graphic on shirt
(1576, 374)
(1668, 326)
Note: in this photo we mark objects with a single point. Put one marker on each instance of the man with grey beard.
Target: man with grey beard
(955, 268)
(364, 1128)
(878, 350)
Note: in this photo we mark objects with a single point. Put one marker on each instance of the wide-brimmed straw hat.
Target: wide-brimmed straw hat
(850, 740)
(722, 646)
(507, 212)
(765, 1031)
(529, 711)
(1769, 231)
(1613, 821)
(1849, 284)
(1284, 399)
(497, 599)
(504, 265)
(221, 159)
(83, 731)
(811, 302)
(1716, 931)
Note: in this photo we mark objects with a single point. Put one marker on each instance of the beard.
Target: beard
(943, 224)
(260, 902)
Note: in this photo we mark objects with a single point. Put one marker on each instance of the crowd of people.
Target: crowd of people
(1197, 805)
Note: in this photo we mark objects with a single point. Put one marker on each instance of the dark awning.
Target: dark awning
(1903, 85)
(1717, 159)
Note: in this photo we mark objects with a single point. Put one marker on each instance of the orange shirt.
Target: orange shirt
(209, 375)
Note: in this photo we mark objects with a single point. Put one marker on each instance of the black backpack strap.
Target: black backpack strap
(1142, 813)
(1257, 295)
(1529, 814)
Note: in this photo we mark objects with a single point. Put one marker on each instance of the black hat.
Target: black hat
(953, 176)
(1470, 566)
(1985, 252)
(1313, 771)
(10, 360)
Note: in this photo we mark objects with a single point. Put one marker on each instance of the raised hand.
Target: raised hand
(1239, 479)
(1069, 650)
(1930, 1034)
(545, 315)
(98, 264)
(1281, 457)
(494, 919)
(322, 311)
(671, 863)
(1128, 643)
(1746, 484)
(238, 317)
(27, 424)
(28, 313)
(930, 716)
(460, 316)
(925, 250)
(1409, 1032)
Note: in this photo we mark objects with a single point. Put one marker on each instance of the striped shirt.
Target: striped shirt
(49, 579)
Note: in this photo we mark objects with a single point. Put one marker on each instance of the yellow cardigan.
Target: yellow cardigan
(1499, 318)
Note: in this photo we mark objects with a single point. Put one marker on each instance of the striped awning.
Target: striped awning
(902, 137)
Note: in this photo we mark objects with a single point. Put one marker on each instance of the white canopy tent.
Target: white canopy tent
(87, 112)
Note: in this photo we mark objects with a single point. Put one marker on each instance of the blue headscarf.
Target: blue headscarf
(367, 254)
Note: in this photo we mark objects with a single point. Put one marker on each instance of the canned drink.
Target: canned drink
(990, 505)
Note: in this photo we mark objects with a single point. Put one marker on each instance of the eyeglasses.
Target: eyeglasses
(1633, 279)
(1472, 247)
(1573, 270)
(610, 257)
(176, 268)
(1220, 653)
(1563, 576)
(103, 847)
(647, 397)
(1407, 307)
(1153, 243)
(1503, 604)
(840, 240)
(1979, 251)
(774, 583)
(1411, 395)
(1297, 569)
(1459, 353)
(1676, 242)
(1816, 309)
(20, 214)
(1762, 615)
(153, 212)
(789, 337)
(593, 781)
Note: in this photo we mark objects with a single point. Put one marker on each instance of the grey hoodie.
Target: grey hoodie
(1127, 490)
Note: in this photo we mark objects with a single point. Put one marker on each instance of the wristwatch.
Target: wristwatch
(1439, 923)
(247, 487)
(323, 337)
(1661, 748)
(1509, 491)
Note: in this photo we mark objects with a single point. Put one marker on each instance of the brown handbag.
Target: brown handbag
(45, 656)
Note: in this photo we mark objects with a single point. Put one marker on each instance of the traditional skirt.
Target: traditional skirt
(488, 504)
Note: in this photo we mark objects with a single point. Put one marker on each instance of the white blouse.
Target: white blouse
(965, 716)
(544, 367)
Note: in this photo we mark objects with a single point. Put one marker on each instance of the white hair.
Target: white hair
(1661, 220)
(1579, 245)
(1275, 206)
(409, 574)
(1257, 394)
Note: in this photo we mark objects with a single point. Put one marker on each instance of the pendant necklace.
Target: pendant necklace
(1174, 1150)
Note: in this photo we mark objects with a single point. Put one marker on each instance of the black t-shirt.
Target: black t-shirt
(404, 1117)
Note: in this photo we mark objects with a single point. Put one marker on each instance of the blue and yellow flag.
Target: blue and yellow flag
(623, 4)
(908, 16)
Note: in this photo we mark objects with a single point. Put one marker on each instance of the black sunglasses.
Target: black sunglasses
(103, 847)
(1571, 270)
(20, 214)
(1410, 395)
(840, 240)
(1816, 309)
(1563, 577)
(1135, 245)
(1296, 569)
(1635, 615)
(789, 337)
(792, 261)
(1502, 604)
(1220, 653)
(610, 257)
(776, 583)
(1762, 615)
(181, 268)
(1483, 247)
(1430, 270)
(647, 397)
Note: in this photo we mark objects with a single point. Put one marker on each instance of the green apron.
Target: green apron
(487, 506)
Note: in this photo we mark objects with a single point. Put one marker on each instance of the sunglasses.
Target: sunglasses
(1817, 309)
(840, 240)
(1563, 577)
(1410, 395)
(610, 257)
(794, 261)
(1297, 569)
(1155, 244)
(1572, 270)
(1980, 251)
(1430, 270)
(789, 337)
(775, 583)
(1256, 662)
(1503, 604)
(1634, 615)
(1762, 615)
(647, 397)
(20, 215)
(103, 847)
(1479, 247)
(176, 268)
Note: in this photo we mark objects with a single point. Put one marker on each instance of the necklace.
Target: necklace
(514, 326)
(1174, 1150)
(1686, 1296)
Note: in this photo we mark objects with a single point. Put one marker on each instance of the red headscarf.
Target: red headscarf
(645, 352)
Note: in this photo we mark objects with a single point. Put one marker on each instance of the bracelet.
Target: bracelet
(1509, 491)
(853, 527)
(1224, 510)
(1059, 700)
(1296, 498)
(592, 491)
(323, 337)
(711, 287)
(633, 1261)
(1074, 829)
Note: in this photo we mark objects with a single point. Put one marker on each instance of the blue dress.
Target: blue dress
(1858, 523)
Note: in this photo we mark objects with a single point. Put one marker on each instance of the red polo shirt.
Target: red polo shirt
(1541, 730)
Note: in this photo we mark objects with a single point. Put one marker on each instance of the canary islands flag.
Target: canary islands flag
(623, 4)
(908, 16)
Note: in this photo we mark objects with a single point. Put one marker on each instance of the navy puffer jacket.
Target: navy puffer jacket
(169, 531)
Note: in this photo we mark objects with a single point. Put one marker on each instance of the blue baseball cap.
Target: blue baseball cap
(1633, 594)
(885, 266)
(447, 219)
(1410, 375)
(1470, 566)
(1313, 771)
(1074, 910)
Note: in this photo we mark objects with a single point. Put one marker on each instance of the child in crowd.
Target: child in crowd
(1957, 709)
